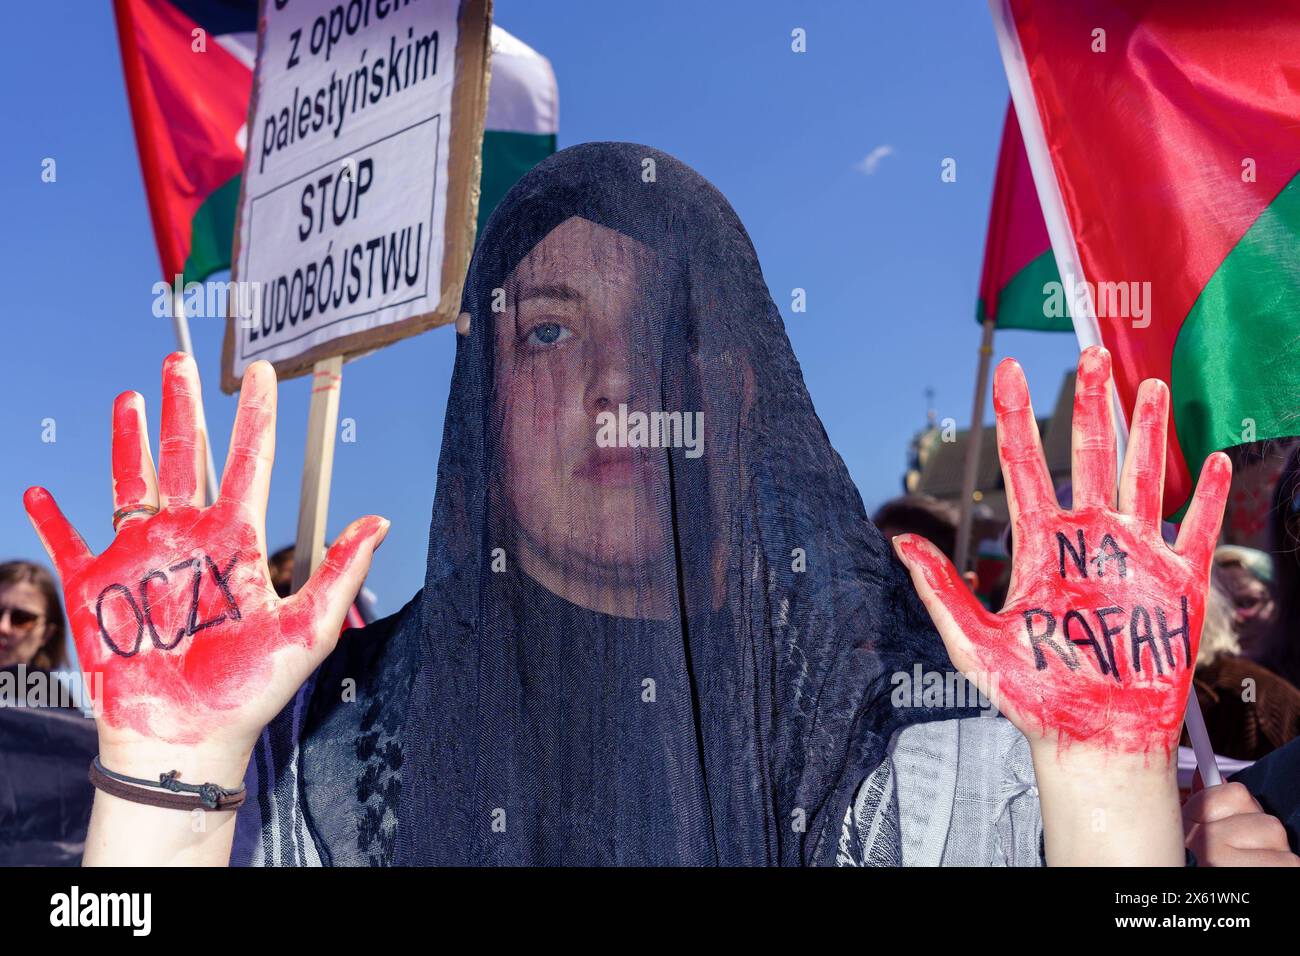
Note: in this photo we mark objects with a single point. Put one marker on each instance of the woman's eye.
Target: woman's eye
(546, 333)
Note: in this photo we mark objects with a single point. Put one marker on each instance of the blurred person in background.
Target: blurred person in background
(31, 617)
(1281, 653)
(1249, 711)
(927, 516)
(45, 746)
(1247, 578)
(280, 564)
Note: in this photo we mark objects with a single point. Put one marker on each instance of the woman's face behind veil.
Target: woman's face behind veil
(732, 575)
(579, 337)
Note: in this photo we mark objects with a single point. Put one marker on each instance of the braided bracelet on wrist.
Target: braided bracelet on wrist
(168, 792)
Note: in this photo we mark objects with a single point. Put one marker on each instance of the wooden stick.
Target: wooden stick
(317, 468)
(974, 439)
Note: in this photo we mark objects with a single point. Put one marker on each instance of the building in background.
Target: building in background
(935, 468)
(935, 465)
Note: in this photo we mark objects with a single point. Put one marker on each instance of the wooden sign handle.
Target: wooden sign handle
(317, 468)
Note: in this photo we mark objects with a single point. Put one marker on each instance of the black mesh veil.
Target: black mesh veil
(657, 625)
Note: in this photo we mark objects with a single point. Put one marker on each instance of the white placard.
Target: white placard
(343, 208)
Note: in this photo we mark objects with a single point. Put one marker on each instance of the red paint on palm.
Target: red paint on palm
(130, 451)
(180, 446)
(179, 614)
(1098, 638)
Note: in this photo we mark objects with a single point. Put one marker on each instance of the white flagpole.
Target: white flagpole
(1082, 310)
(183, 342)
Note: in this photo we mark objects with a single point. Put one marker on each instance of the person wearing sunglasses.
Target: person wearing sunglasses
(31, 618)
(45, 743)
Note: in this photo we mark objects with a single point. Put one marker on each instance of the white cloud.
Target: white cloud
(867, 166)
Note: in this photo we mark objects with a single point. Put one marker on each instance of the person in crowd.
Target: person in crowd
(1260, 827)
(656, 626)
(45, 742)
(1246, 575)
(280, 565)
(31, 618)
(1281, 654)
(1249, 711)
(1255, 820)
(930, 517)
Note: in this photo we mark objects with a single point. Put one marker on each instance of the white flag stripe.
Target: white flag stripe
(522, 96)
(242, 46)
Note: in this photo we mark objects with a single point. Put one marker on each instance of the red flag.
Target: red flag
(1173, 134)
(188, 68)
(189, 73)
(1018, 259)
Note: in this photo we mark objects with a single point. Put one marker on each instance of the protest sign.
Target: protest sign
(359, 194)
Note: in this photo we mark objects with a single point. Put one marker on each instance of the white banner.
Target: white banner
(343, 210)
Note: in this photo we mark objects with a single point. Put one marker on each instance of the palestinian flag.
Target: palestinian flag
(1018, 259)
(189, 73)
(523, 117)
(1170, 133)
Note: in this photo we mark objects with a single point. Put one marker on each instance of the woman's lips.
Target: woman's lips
(613, 467)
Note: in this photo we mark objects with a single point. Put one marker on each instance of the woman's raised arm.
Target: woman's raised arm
(1092, 656)
(197, 652)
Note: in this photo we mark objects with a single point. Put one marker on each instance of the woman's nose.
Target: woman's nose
(610, 382)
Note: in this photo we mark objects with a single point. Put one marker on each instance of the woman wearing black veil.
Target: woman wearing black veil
(657, 626)
(670, 655)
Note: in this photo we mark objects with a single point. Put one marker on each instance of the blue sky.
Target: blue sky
(890, 260)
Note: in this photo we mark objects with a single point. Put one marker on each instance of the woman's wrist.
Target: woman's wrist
(209, 762)
(1108, 809)
(126, 833)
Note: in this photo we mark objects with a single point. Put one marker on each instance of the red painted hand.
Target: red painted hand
(1097, 642)
(178, 614)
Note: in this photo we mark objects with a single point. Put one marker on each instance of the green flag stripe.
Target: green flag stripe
(506, 157)
(1022, 303)
(1235, 373)
(212, 233)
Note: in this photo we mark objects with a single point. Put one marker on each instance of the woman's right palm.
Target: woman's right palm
(178, 613)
